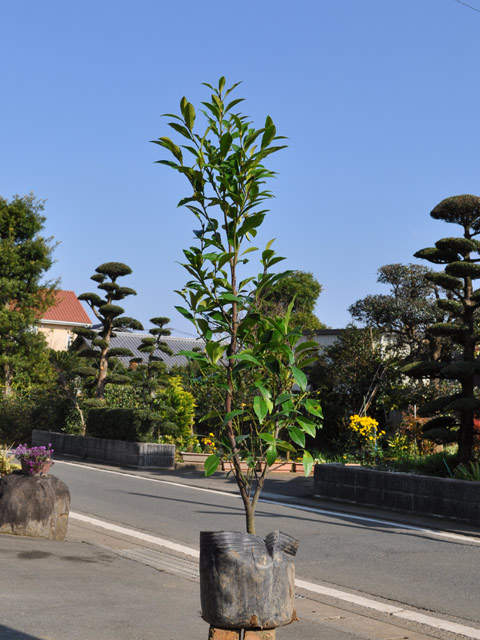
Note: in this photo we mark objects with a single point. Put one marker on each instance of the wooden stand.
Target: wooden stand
(240, 634)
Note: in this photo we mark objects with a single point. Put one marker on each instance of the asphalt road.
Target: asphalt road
(408, 567)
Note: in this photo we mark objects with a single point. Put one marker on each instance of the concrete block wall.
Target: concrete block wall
(423, 495)
(140, 455)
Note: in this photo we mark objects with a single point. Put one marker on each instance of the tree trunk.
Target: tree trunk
(7, 380)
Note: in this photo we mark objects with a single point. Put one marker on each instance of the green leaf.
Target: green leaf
(313, 407)
(194, 355)
(184, 312)
(300, 378)
(307, 425)
(267, 437)
(283, 397)
(231, 298)
(271, 455)
(188, 112)
(225, 143)
(260, 407)
(247, 357)
(232, 414)
(297, 435)
(309, 344)
(288, 407)
(285, 446)
(307, 463)
(211, 464)
(215, 351)
(172, 147)
(268, 135)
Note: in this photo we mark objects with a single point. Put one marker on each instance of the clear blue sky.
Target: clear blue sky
(379, 100)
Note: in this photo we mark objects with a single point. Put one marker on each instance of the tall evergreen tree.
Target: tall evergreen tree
(25, 256)
(304, 289)
(405, 313)
(110, 317)
(461, 257)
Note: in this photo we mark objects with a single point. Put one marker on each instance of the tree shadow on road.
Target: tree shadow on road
(7, 633)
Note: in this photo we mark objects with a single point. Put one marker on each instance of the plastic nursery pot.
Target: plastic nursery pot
(247, 582)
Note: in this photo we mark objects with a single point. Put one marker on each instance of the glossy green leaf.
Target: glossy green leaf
(260, 407)
(184, 312)
(267, 437)
(215, 351)
(232, 414)
(225, 143)
(246, 356)
(313, 407)
(307, 463)
(297, 435)
(211, 464)
(300, 378)
(307, 425)
(194, 355)
(189, 115)
(271, 455)
(285, 446)
(283, 397)
(309, 344)
(268, 135)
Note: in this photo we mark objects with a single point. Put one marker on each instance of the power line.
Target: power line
(467, 5)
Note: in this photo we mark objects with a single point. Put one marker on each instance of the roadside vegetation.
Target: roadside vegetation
(398, 389)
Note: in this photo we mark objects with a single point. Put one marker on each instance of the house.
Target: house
(58, 321)
(132, 340)
(324, 337)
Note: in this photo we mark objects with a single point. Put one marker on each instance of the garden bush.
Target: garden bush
(31, 409)
(133, 425)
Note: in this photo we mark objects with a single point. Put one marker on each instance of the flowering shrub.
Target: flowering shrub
(208, 443)
(203, 444)
(412, 427)
(34, 457)
(365, 428)
(6, 464)
(476, 435)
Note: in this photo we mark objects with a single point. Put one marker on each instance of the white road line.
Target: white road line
(272, 500)
(430, 621)
(139, 535)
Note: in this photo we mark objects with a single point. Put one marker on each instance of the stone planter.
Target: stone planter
(227, 465)
(139, 455)
(422, 495)
(38, 469)
(194, 458)
(36, 506)
(280, 467)
(297, 467)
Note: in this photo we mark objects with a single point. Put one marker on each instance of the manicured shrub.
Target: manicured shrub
(132, 425)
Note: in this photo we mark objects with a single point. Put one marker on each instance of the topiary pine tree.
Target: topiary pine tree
(460, 255)
(110, 317)
(152, 374)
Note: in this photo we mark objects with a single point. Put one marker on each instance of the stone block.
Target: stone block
(36, 506)
(265, 634)
(224, 634)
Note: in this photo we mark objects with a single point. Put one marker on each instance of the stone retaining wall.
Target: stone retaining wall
(140, 455)
(423, 495)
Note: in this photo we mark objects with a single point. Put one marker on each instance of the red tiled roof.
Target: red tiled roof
(67, 308)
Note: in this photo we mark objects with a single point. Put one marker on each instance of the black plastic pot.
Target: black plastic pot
(247, 582)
